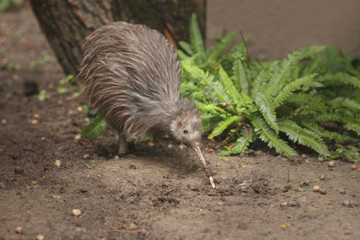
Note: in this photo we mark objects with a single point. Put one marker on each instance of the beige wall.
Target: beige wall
(277, 27)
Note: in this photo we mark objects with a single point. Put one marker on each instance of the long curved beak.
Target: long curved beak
(196, 147)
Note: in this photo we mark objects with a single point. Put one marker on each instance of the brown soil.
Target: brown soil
(155, 193)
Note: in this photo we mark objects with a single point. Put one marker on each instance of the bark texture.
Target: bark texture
(66, 23)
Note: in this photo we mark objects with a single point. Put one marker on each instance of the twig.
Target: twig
(122, 231)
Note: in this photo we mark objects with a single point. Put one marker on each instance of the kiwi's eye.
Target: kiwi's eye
(186, 131)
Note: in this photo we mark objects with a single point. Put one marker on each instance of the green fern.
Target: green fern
(290, 88)
(240, 145)
(351, 126)
(221, 46)
(196, 40)
(95, 128)
(267, 110)
(268, 135)
(240, 75)
(223, 125)
(304, 137)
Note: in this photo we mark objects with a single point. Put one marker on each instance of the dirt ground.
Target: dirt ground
(155, 193)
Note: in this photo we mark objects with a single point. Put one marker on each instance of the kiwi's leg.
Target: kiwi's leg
(123, 145)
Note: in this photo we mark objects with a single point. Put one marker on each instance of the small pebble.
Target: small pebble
(132, 226)
(77, 137)
(305, 183)
(116, 157)
(36, 115)
(322, 177)
(34, 121)
(86, 156)
(76, 212)
(150, 144)
(57, 163)
(284, 204)
(170, 146)
(220, 203)
(354, 167)
(323, 191)
(316, 188)
(39, 237)
(182, 146)
(43, 138)
(347, 203)
(80, 109)
(19, 230)
(342, 191)
(293, 203)
(3, 121)
(332, 164)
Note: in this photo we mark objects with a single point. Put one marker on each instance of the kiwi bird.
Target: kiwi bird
(132, 79)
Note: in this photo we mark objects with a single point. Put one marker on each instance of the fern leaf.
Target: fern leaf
(186, 47)
(304, 137)
(268, 135)
(267, 110)
(222, 45)
(240, 75)
(290, 88)
(240, 50)
(95, 128)
(353, 127)
(238, 98)
(223, 125)
(241, 144)
(182, 56)
(210, 108)
(322, 132)
(340, 78)
(260, 80)
(196, 40)
(281, 76)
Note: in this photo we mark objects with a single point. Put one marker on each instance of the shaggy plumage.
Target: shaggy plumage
(132, 77)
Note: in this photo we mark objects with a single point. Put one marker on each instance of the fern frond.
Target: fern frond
(240, 145)
(348, 103)
(210, 108)
(223, 125)
(197, 73)
(351, 126)
(186, 47)
(95, 128)
(240, 75)
(221, 46)
(281, 75)
(268, 135)
(260, 80)
(267, 110)
(239, 98)
(322, 132)
(304, 137)
(182, 56)
(196, 40)
(290, 88)
(340, 79)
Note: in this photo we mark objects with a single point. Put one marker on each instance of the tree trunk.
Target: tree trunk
(66, 23)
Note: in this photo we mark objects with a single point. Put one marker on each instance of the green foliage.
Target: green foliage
(67, 85)
(38, 64)
(311, 98)
(95, 128)
(43, 95)
(6, 4)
